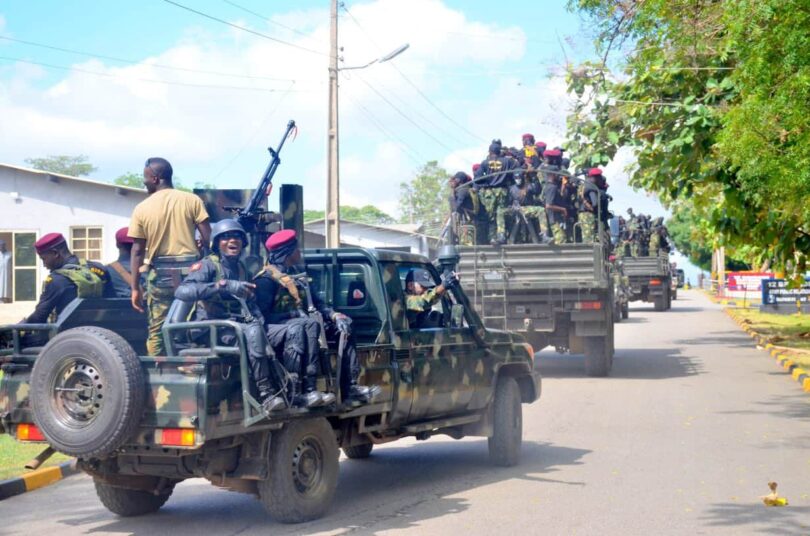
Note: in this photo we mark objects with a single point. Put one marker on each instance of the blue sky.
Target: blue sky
(490, 67)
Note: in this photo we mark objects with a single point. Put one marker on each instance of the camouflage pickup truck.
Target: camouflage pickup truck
(139, 425)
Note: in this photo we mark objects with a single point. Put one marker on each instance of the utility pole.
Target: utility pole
(332, 231)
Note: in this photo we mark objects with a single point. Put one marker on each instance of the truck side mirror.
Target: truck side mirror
(457, 316)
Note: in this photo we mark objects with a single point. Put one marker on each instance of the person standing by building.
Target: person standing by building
(5, 273)
(162, 229)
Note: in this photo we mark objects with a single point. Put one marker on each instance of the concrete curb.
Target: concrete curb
(36, 479)
(797, 373)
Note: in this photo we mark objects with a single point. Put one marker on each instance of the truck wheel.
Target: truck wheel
(87, 391)
(660, 303)
(617, 313)
(358, 452)
(303, 471)
(669, 300)
(507, 424)
(131, 502)
(598, 352)
(625, 311)
(675, 294)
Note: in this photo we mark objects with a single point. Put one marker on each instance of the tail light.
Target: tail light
(588, 306)
(176, 437)
(655, 282)
(29, 432)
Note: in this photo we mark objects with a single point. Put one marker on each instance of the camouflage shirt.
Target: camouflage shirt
(418, 305)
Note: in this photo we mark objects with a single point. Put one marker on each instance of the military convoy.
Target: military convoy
(139, 425)
(650, 279)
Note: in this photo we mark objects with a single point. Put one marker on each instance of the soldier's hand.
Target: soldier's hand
(343, 323)
(449, 279)
(137, 299)
(237, 289)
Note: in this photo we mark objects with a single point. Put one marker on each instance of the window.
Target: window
(85, 242)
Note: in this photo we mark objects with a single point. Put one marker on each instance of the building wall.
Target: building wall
(31, 201)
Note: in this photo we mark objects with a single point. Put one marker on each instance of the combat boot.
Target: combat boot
(312, 398)
(499, 240)
(268, 398)
(363, 393)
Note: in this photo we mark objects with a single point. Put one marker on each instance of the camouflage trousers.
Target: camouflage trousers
(491, 199)
(535, 212)
(655, 243)
(587, 226)
(558, 232)
(158, 300)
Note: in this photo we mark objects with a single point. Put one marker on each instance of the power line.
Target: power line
(150, 80)
(404, 115)
(268, 19)
(414, 86)
(248, 30)
(409, 150)
(255, 132)
(136, 62)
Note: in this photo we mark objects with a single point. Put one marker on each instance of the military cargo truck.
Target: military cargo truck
(554, 295)
(139, 425)
(650, 279)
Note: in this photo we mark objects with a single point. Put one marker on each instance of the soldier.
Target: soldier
(468, 213)
(523, 203)
(633, 233)
(421, 293)
(119, 271)
(494, 176)
(589, 205)
(220, 285)
(69, 278)
(659, 238)
(162, 226)
(288, 301)
(552, 197)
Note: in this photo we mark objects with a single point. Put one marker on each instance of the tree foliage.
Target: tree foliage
(75, 166)
(133, 180)
(714, 107)
(367, 214)
(423, 200)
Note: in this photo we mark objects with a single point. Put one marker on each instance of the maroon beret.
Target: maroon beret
(528, 136)
(594, 172)
(552, 152)
(541, 144)
(122, 236)
(279, 239)
(476, 167)
(49, 241)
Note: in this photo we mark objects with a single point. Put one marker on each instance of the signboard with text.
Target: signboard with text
(776, 291)
(745, 284)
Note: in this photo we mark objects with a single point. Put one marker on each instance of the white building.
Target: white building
(401, 236)
(34, 203)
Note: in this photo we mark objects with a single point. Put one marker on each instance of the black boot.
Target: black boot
(363, 393)
(269, 399)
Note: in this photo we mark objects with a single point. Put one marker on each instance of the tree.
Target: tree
(75, 166)
(133, 180)
(423, 200)
(367, 214)
(714, 109)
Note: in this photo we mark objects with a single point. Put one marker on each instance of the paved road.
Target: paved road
(682, 439)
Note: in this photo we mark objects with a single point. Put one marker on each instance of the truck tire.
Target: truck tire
(598, 355)
(617, 313)
(131, 502)
(675, 294)
(660, 303)
(358, 452)
(507, 424)
(625, 311)
(303, 471)
(87, 392)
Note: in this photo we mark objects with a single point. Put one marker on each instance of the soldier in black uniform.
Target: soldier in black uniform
(493, 177)
(285, 297)
(467, 208)
(220, 285)
(69, 278)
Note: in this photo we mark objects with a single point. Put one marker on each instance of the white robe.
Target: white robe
(5, 275)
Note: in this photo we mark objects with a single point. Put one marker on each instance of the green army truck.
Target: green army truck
(554, 295)
(139, 425)
(650, 279)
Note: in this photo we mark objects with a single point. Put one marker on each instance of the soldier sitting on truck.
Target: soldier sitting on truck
(524, 203)
(220, 286)
(286, 299)
(421, 293)
(589, 205)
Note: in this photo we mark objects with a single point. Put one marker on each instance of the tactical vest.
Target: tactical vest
(220, 304)
(583, 188)
(88, 284)
(288, 300)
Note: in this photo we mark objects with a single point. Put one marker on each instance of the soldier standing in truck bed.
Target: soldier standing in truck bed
(552, 197)
(162, 229)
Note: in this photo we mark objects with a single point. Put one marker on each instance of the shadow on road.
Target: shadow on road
(794, 406)
(628, 363)
(397, 487)
(735, 339)
(759, 518)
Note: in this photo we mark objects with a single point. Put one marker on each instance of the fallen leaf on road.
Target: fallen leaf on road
(773, 498)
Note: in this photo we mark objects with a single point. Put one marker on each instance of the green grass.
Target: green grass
(14, 454)
(790, 331)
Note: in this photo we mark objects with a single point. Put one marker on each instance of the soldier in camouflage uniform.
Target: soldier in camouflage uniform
(589, 200)
(468, 214)
(492, 178)
(523, 202)
(288, 302)
(421, 293)
(220, 284)
(552, 196)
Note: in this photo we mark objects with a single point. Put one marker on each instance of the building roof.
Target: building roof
(56, 177)
(397, 228)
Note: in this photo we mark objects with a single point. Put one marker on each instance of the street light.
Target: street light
(332, 219)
